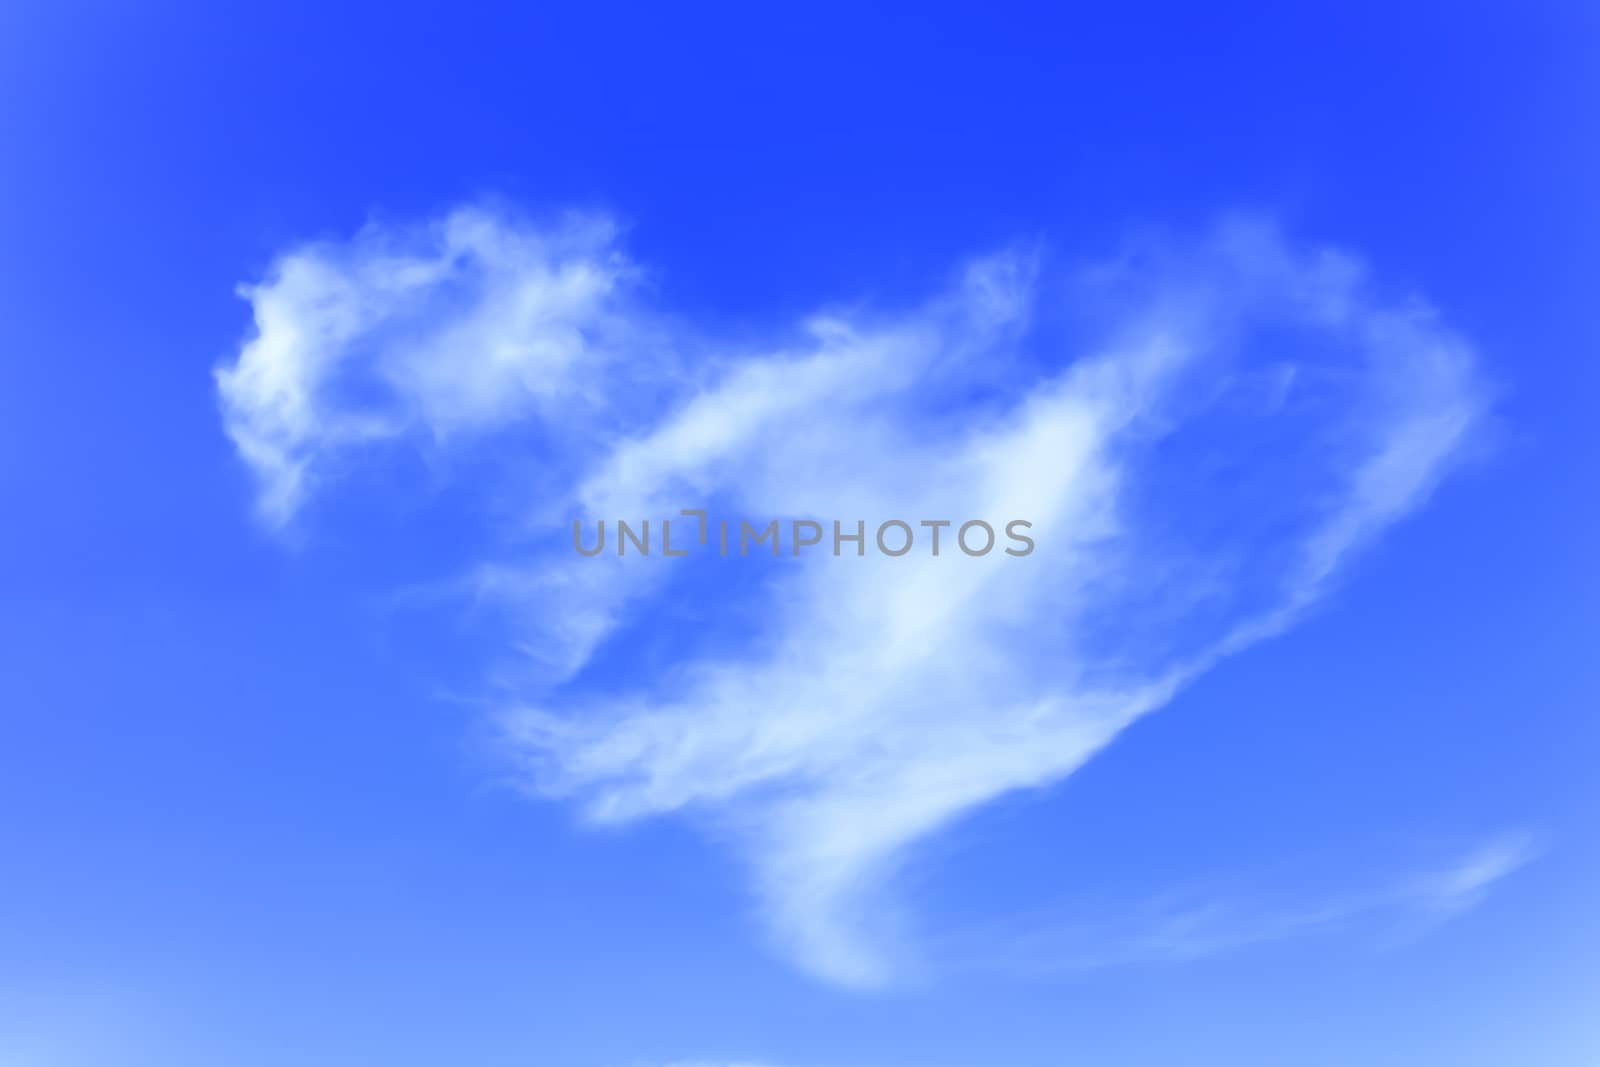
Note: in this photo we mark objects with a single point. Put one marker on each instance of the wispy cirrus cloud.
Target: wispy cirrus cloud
(1178, 926)
(1202, 435)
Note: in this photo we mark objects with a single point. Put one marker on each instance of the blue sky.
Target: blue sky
(323, 747)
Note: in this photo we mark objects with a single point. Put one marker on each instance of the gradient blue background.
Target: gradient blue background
(242, 819)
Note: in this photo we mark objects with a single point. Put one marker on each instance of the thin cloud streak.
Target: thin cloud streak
(1178, 927)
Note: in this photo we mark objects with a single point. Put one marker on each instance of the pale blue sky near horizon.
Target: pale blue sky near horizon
(254, 809)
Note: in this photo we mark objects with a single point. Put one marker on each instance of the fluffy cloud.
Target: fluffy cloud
(1201, 434)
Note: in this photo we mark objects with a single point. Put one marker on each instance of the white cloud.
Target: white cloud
(464, 325)
(1201, 436)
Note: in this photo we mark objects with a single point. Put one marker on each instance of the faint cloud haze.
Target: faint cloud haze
(1178, 926)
